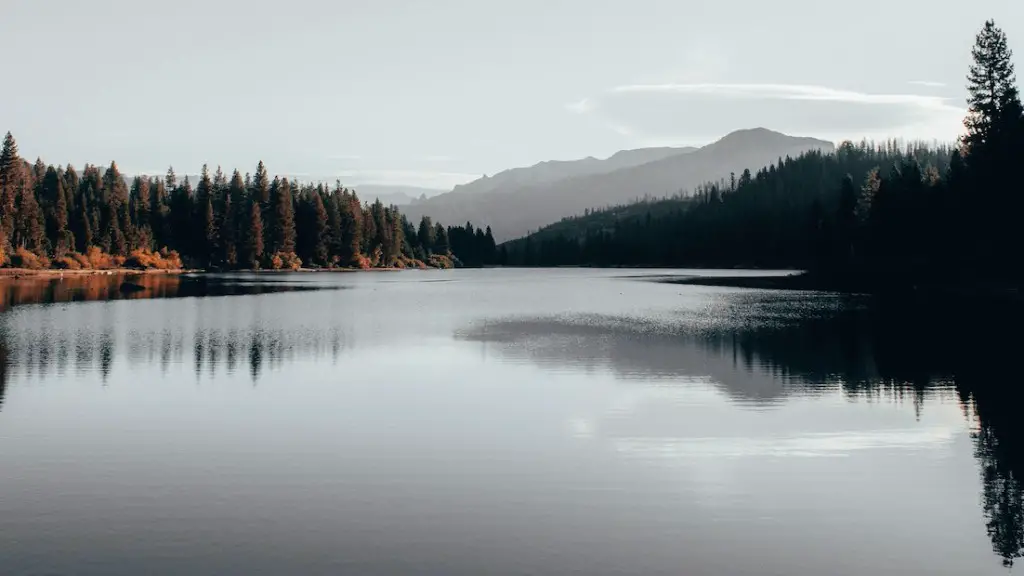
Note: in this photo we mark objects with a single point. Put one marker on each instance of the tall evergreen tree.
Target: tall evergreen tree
(52, 194)
(251, 252)
(231, 215)
(283, 222)
(425, 234)
(114, 211)
(11, 182)
(209, 250)
(321, 232)
(994, 106)
(334, 224)
(441, 245)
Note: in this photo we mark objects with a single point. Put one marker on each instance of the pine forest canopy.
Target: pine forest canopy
(54, 215)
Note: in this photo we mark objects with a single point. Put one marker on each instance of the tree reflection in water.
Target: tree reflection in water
(870, 349)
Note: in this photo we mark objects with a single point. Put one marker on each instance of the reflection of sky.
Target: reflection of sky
(382, 428)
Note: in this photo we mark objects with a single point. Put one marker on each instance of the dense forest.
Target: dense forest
(868, 214)
(56, 216)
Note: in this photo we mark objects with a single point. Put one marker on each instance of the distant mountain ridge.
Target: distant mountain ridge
(518, 201)
(554, 170)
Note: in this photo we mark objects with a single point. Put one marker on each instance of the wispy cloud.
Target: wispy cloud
(787, 92)
(581, 106)
(345, 157)
(692, 113)
(437, 158)
(927, 83)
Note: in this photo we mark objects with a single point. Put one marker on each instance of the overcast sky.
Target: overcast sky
(434, 92)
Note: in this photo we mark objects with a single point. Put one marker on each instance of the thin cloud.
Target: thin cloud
(698, 112)
(437, 158)
(580, 107)
(345, 157)
(927, 83)
(788, 92)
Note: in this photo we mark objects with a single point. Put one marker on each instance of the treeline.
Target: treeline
(867, 214)
(54, 216)
(755, 220)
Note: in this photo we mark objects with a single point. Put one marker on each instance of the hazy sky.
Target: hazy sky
(434, 92)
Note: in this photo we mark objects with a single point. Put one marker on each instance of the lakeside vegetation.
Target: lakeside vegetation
(870, 216)
(54, 217)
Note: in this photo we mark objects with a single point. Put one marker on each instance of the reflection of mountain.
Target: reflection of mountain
(796, 344)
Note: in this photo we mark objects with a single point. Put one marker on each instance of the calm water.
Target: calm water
(500, 422)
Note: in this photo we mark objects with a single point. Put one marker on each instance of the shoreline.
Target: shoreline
(16, 273)
(806, 283)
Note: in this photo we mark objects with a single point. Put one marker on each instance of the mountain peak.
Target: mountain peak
(516, 201)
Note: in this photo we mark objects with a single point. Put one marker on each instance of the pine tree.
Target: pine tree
(230, 216)
(252, 242)
(425, 234)
(114, 211)
(321, 232)
(171, 180)
(181, 218)
(202, 247)
(11, 181)
(220, 181)
(491, 247)
(140, 212)
(260, 193)
(56, 211)
(351, 229)
(994, 106)
(396, 235)
(334, 224)
(29, 230)
(993, 146)
(209, 247)
(283, 222)
(81, 221)
(441, 245)
(368, 230)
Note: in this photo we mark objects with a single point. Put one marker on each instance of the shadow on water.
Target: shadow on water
(765, 347)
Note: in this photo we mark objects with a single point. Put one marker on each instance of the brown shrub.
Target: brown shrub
(100, 260)
(441, 261)
(23, 258)
(68, 262)
(147, 260)
(82, 259)
(285, 261)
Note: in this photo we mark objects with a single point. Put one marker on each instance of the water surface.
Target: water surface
(500, 422)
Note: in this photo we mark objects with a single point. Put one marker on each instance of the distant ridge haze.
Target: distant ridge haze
(554, 170)
(517, 201)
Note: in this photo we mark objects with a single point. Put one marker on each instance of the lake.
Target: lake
(500, 422)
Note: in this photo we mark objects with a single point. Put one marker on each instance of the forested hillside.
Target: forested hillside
(56, 216)
(753, 220)
(867, 215)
